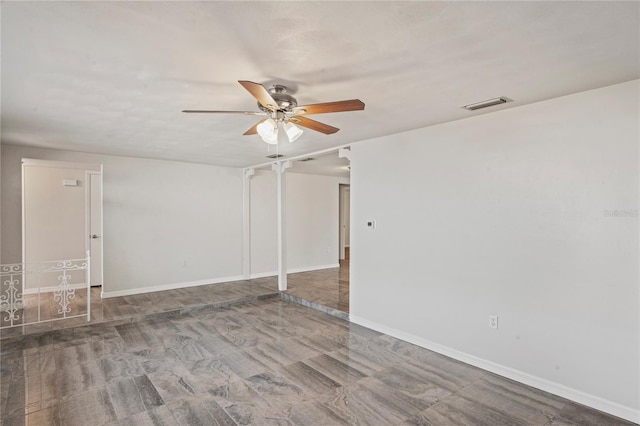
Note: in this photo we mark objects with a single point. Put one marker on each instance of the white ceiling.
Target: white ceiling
(112, 77)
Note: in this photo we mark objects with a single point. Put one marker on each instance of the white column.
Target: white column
(345, 153)
(280, 168)
(246, 222)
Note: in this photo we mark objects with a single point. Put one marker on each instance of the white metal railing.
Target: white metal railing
(26, 296)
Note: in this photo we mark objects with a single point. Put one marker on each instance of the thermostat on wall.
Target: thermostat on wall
(371, 224)
(70, 182)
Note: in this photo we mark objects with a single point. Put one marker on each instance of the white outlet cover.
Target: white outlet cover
(493, 321)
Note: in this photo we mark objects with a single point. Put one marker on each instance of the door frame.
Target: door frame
(87, 224)
(32, 162)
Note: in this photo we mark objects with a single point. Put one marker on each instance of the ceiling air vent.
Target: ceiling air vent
(487, 103)
(275, 156)
(308, 159)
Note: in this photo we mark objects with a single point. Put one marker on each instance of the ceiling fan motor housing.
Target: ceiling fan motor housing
(279, 94)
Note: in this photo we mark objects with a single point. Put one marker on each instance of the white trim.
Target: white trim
(345, 153)
(298, 157)
(53, 288)
(264, 275)
(295, 270)
(173, 286)
(576, 395)
(64, 164)
(312, 268)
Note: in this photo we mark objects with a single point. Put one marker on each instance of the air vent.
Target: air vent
(308, 159)
(487, 103)
(275, 156)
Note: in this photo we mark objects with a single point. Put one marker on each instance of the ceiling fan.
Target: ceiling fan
(284, 113)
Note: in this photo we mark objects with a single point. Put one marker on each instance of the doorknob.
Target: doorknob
(94, 236)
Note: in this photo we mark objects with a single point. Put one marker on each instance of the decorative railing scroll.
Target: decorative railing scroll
(25, 297)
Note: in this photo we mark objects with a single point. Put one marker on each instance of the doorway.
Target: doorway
(344, 218)
(61, 210)
(318, 198)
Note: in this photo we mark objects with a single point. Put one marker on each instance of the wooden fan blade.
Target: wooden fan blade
(224, 112)
(260, 93)
(314, 125)
(254, 129)
(323, 108)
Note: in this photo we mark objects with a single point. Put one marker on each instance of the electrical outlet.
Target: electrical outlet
(493, 321)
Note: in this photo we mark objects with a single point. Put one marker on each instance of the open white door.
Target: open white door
(95, 226)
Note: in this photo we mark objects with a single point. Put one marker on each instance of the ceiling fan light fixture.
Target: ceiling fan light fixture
(268, 131)
(272, 140)
(282, 135)
(293, 131)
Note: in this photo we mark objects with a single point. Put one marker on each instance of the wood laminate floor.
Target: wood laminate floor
(326, 287)
(134, 308)
(266, 362)
(235, 354)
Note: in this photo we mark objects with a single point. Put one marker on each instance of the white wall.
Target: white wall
(510, 214)
(312, 222)
(165, 223)
(168, 223)
(1, 260)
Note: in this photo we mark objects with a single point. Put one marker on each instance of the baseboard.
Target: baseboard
(575, 395)
(312, 268)
(142, 290)
(52, 288)
(263, 275)
(173, 286)
(295, 270)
